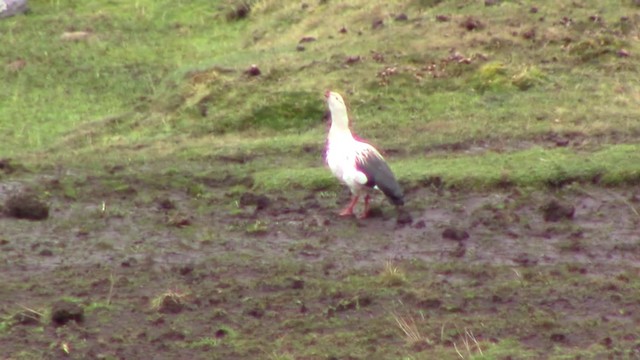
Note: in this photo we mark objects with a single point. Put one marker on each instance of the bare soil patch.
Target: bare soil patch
(113, 277)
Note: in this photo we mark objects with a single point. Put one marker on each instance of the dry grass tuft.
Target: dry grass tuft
(392, 275)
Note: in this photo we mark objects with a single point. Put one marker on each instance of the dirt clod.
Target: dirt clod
(256, 310)
(297, 284)
(471, 24)
(529, 34)
(27, 317)
(129, 262)
(253, 70)
(239, 12)
(64, 311)
(221, 333)
(45, 252)
(26, 206)
(404, 217)
(166, 204)
(170, 305)
(459, 251)
(377, 24)
(6, 166)
(455, 234)
(442, 18)
(623, 53)
(259, 201)
(555, 210)
(401, 17)
(352, 59)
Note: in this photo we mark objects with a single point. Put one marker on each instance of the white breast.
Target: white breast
(341, 158)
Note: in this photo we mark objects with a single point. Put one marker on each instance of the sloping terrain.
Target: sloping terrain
(161, 197)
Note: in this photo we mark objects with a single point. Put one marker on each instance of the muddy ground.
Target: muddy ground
(136, 272)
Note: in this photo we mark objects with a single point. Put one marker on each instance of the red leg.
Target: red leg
(348, 211)
(365, 212)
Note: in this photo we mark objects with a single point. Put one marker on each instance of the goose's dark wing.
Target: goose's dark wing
(379, 175)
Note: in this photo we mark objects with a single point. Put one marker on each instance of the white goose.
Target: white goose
(357, 164)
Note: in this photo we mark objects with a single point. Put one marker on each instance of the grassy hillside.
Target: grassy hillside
(166, 79)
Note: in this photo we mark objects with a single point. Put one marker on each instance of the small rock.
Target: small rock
(253, 70)
(300, 47)
(64, 311)
(554, 211)
(623, 53)
(377, 24)
(442, 18)
(307, 39)
(401, 17)
(343, 30)
(455, 234)
(533, 10)
(491, 2)
(26, 206)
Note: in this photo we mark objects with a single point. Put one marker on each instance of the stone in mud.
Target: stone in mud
(555, 210)
(64, 311)
(26, 206)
